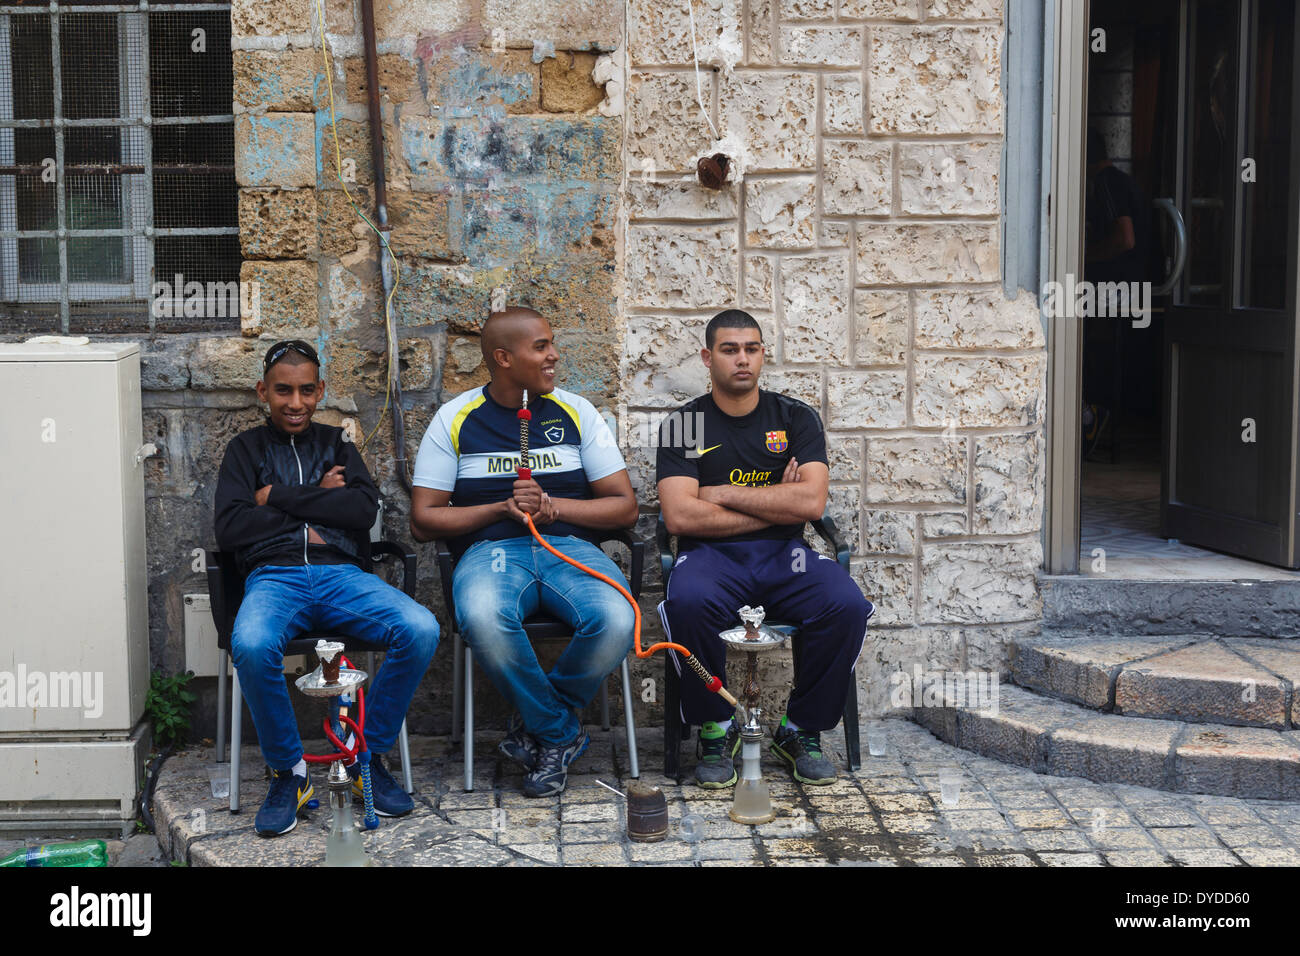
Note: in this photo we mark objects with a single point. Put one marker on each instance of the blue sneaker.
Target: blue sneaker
(552, 771)
(391, 800)
(284, 800)
(519, 745)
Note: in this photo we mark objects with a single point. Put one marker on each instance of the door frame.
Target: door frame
(1068, 36)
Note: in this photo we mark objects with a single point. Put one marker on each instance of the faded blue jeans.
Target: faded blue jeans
(281, 602)
(497, 584)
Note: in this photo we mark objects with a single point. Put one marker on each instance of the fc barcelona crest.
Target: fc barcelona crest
(776, 442)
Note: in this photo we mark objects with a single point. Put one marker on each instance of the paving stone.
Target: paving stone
(1137, 858)
(1036, 819)
(973, 819)
(545, 852)
(1221, 814)
(1093, 817)
(786, 848)
(1237, 762)
(587, 833)
(1205, 683)
(1269, 856)
(1056, 840)
(1247, 836)
(589, 813)
(1023, 799)
(666, 851)
(1165, 817)
(735, 850)
(898, 802)
(1070, 859)
(1205, 857)
(939, 861)
(1104, 747)
(852, 822)
(1186, 838)
(592, 854)
(1081, 669)
(907, 822)
(1003, 859)
(1108, 838)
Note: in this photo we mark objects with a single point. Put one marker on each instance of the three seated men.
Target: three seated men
(294, 501)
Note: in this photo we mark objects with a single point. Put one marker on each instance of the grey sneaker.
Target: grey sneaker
(519, 745)
(715, 768)
(802, 750)
(552, 771)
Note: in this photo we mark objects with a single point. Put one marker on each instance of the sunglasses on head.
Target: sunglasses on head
(280, 349)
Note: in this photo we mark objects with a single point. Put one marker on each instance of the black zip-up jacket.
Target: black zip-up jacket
(276, 532)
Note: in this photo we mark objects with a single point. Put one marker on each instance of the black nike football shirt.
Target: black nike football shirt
(719, 449)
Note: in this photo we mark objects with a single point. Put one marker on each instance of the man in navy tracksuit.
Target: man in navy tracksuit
(738, 499)
(295, 503)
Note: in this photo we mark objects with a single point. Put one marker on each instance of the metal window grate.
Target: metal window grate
(117, 176)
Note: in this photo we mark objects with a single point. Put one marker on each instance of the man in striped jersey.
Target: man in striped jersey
(580, 487)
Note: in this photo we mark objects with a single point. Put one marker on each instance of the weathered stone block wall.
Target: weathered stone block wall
(864, 236)
(502, 174)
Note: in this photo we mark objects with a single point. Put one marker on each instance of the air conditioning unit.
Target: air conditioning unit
(74, 636)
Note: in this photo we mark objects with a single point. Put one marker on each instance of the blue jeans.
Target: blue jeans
(282, 602)
(498, 584)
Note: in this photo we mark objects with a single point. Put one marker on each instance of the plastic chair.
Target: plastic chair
(675, 730)
(538, 627)
(226, 593)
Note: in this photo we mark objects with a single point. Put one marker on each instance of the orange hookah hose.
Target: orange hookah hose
(525, 472)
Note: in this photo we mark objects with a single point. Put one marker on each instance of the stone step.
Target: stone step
(1058, 737)
(1101, 604)
(1244, 682)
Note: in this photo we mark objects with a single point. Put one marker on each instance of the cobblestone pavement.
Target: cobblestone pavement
(889, 813)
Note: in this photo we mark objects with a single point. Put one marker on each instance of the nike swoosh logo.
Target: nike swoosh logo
(700, 452)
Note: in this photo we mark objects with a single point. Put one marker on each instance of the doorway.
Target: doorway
(1189, 385)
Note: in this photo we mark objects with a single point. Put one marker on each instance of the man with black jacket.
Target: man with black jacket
(295, 503)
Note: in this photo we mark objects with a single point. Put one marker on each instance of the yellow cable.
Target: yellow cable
(397, 270)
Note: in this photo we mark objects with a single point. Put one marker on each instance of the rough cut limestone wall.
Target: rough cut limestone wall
(502, 173)
(864, 237)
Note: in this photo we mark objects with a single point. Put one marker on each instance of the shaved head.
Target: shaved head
(507, 330)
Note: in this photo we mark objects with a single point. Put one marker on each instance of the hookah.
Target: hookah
(752, 802)
(343, 845)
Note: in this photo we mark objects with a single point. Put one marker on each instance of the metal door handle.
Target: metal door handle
(1180, 246)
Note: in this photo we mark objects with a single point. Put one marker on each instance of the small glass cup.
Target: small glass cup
(950, 787)
(691, 828)
(877, 738)
(219, 780)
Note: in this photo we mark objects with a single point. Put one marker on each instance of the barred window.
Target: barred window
(117, 177)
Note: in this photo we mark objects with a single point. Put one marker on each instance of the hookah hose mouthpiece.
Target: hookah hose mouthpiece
(525, 472)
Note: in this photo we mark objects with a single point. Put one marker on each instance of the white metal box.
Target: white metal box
(74, 642)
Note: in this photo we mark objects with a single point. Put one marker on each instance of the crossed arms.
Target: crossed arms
(720, 511)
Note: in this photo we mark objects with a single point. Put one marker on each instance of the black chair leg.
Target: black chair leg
(851, 741)
(672, 718)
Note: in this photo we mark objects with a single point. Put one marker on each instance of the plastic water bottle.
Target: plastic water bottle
(80, 853)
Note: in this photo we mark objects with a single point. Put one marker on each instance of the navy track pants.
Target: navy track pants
(711, 581)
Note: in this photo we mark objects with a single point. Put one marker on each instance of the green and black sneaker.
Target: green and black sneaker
(802, 750)
(714, 770)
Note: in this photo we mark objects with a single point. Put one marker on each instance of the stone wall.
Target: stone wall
(502, 174)
(864, 237)
(545, 148)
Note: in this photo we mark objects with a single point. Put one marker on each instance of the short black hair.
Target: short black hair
(729, 319)
(295, 350)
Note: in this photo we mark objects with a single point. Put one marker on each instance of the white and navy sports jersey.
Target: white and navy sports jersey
(472, 450)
